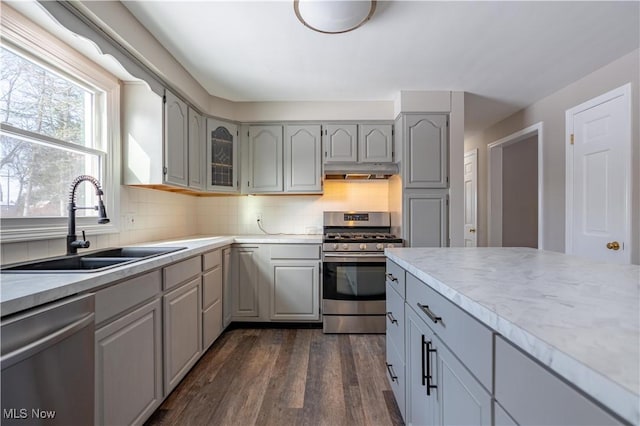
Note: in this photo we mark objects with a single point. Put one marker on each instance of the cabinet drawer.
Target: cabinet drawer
(396, 375)
(395, 319)
(211, 260)
(182, 271)
(396, 276)
(211, 287)
(295, 251)
(546, 399)
(464, 335)
(118, 298)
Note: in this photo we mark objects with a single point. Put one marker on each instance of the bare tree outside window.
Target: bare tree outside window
(35, 171)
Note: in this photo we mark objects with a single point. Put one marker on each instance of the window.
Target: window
(58, 121)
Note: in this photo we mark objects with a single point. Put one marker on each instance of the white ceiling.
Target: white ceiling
(507, 55)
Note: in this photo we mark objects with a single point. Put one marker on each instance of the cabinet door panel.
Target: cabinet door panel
(295, 291)
(265, 152)
(302, 156)
(182, 332)
(211, 324)
(222, 156)
(129, 367)
(426, 220)
(341, 143)
(196, 149)
(176, 142)
(211, 287)
(420, 407)
(226, 288)
(375, 143)
(425, 151)
(461, 398)
(245, 288)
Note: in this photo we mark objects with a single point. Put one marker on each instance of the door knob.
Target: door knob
(613, 245)
(472, 230)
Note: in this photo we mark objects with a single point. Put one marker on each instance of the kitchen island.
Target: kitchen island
(576, 317)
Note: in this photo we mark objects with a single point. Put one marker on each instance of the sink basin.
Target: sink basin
(89, 262)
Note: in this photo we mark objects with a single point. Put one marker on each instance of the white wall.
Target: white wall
(551, 111)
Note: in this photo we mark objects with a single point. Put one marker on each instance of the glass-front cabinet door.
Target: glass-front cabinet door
(222, 156)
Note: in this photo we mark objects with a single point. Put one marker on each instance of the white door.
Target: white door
(598, 178)
(471, 198)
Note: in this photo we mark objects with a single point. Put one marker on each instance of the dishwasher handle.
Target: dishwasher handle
(49, 340)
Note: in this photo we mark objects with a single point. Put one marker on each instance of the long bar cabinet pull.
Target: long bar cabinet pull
(391, 318)
(429, 377)
(394, 378)
(433, 317)
(390, 277)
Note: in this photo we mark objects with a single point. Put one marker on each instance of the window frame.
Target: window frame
(30, 40)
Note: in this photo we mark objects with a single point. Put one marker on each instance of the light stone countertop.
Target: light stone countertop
(578, 317)
(20, 291)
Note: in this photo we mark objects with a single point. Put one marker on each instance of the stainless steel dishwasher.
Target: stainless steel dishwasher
(47, 362)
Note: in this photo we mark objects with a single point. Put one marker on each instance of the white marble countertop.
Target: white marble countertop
(19, 291)
(578, 317)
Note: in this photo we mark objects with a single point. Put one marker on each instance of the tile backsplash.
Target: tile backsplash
(149, 215)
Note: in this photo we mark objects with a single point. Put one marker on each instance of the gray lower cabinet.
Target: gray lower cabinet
(425, 219)
(226, 290)
(129, 367)
(212, 286)
(182, 331)
(245, 281)
(441, 390)
(295, 290)
(545, 399)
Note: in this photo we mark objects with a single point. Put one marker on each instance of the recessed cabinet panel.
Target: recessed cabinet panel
(295, 291)
(302, 159)
(129, 367)
(245, 288)
(176, 141)
(425, 151)
(375, 143)
(425, 216)
(222, 156)
(196, 149)
(341, 143)
(265, 152)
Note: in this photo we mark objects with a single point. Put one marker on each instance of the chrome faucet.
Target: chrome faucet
(72, 242)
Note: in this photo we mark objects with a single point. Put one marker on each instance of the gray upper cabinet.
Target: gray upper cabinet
(303, 159)
(196, 149)
(375, 143)
(425, 151)
(176, 160)
(341, 143)
(265, 159)
(222, 156)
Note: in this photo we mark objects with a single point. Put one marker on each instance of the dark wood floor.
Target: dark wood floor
(285, 377)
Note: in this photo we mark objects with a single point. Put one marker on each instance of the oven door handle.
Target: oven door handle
(355, 257)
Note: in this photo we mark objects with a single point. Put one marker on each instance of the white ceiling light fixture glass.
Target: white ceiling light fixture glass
(334, 16)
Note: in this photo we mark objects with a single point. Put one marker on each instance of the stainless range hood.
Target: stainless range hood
(360, 171)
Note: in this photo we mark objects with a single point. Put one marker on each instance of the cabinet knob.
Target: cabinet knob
(614, 245)
(472, 230)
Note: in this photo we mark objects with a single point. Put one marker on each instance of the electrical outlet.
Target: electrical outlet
(129, 221)
(259, 216)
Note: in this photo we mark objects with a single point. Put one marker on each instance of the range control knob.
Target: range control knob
(363, 246)
(345, 246)
(390, 245)
(379, 246)
(335, 246)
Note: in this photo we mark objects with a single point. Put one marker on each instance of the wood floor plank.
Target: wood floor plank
(285, 377)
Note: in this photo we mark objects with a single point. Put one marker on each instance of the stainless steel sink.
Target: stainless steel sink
(89, 262)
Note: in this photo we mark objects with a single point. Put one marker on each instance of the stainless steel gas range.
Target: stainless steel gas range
(353, 271)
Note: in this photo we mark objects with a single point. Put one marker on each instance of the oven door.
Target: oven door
(353, 277)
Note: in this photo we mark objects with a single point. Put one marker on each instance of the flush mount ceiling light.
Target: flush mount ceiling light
(334, 16)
